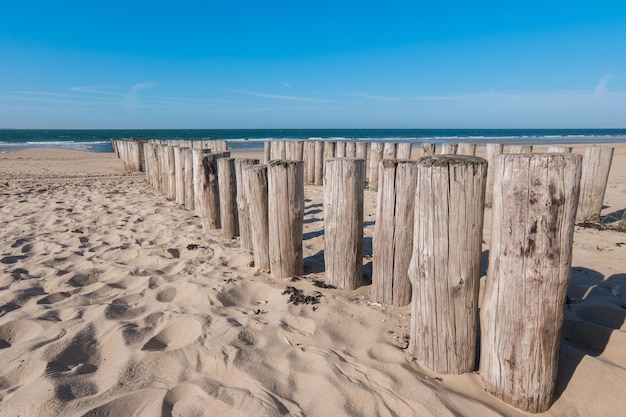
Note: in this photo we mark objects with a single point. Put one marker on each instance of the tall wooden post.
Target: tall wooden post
(595, 176)
(188, 161)
(227, 184)
(286, 214)
(275, 150)
(361, 150)
(376, 155)
(389, 150)
(494, 150)
(445, 267)
(179, 173)
(243, 214)
(309, 162)
(404, 150)
(427, 149)
(393, 233)
(351, 149)
(534, 209)
(255, 183)
(319, 163)
(210, 192)
(299, 151)
(329, 150)
(267, 151)
(344, 180)
(466, 148)
(199, 180)
(449, 148)
(292, 153)
(340, 149)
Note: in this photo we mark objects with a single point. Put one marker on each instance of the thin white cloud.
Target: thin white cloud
(277, 96)
(286, 84)
(131, 99)
(601, 89)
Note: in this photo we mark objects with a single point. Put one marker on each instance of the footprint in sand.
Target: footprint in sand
(179, 334)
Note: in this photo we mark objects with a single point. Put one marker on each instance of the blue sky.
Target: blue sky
(280, 64)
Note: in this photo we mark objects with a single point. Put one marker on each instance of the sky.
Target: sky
(312, 64)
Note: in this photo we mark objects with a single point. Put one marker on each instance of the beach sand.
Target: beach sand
(115, 302)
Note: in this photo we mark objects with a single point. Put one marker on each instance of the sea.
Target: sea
(252, 139)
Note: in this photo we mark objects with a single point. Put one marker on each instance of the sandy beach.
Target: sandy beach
(115, 302)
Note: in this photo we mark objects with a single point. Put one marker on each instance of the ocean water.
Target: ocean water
(252, 139)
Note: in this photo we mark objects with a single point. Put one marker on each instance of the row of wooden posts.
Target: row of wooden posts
(427, 246)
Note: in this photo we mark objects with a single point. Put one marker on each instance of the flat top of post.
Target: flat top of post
(387, 163)
(448, 160)
(284, 162)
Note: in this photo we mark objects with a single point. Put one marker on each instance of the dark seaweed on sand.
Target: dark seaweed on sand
(297, 296)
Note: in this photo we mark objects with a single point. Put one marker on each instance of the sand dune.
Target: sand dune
(115, 302)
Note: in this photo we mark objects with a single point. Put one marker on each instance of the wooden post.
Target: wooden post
(199, 180)
(521, 316)
(267, 151)
(275, 150)
(292, 153)
(319, 163)
(282, 149)
(255, 183)
(329, 150)
(389, 150)
(210, 192)
(361, 150)
(179, 173)
(243, 213)
(520, 149)
(286, 214)
(559, 149)
(445, 267)
(393, 233)
(427, 148)
(299, 150)
(404, 150)
(351, 149)
(595, 175)
(466, 148)
(340, 149)
(449, 148)
(227, 184)
(189, 197)
(376, 155)
(309, 162)
(344, 180)
(494, 150)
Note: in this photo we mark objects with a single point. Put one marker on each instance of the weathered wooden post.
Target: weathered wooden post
(171, 169)
(445, 266)
(559, 149)
(179, 173)
(267, 151)
(188, 161)
(340, 149)
(389, 150)
(351, 149)
(329, 150)
(319, 163)
(227, 184)
(534, 210)
(361, 150)
(449, 148)
(344, 180)
(494, 150)
(210, 209)
(309, 162)
(376, 155)
(595, 175)
(292, 153)
(286, 214)
(466, 148)
(199, 180)
(299, 150)
(404, 150)
(275, 150)
(393, 233)
(427, 149)
(255, 183)
(520, 149)
(245, 233)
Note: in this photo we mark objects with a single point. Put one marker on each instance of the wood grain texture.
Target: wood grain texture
(351, 149)
(427, 149)
(376, 155)
(227, 184)
(344, 180)
(179, 174)
(286, 216)
(595, 176)
(319, 163)
(393, 233)
(210, 213)
(245, 236)
(534, 208)
(520, 149)
(449, 148)
(389, 150)
(255, 183)
(404, 150)
(466, 148)
(445, 266)
(559, 149)
(494, 150)
(188, 161)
